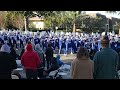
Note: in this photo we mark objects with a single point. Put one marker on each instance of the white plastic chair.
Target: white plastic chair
(64, 70)
(15, 77)
(119, 74)
(18, 63)
(65, 66)
(53, 73)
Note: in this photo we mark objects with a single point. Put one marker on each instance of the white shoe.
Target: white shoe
(71, 53)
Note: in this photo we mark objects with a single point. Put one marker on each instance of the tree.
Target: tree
(9, 19)
(88, 23)
(55, 18)
(26, 14)
(2, 19)
(17, 18)
(116, 12)
(69, 18)
(61, 19)
(13, 19)
(76, 14)
(18, 22)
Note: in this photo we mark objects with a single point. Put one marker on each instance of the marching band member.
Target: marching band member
(60, 44)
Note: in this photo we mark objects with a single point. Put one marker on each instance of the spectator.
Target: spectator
(31, 61)
(82, 67)
(23, 50)
(39, 50)
(92, 53)
(7, 62)
(13, 53)
(60, 63)
(0, 44)
(49, 55)
(105, 61)
(118, 51)
(53, 67)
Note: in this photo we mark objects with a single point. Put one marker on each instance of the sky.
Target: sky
(104, 13)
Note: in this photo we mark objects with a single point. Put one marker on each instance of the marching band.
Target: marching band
(62, 41)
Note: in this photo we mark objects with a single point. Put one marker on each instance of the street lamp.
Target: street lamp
(66, 29)
(107, 28)
(114, 27)
(113, 32)
(56, 28)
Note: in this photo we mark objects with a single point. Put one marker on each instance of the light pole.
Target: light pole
(56, 28)
(114, 27)
(66, 29)
(107, 27)
(118, 27)
(113, 32)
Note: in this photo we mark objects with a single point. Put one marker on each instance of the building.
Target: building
(37, 22)
(106, 20)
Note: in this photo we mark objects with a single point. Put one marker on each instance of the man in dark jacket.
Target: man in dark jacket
(13, 53)
(105, 61)
(118, 51)
(53, 67)
(49, 55)
(7, 62)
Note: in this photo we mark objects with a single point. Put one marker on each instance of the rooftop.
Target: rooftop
(36, 18)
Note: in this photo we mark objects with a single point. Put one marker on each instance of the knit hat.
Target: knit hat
(5, 48)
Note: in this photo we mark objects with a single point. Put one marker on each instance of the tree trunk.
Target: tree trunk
(119, 31)
(26, 23)
(74, 28)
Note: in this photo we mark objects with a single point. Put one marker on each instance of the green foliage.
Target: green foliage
(118, 23)
(61, 19)
(44, 13)
(14, 20)
(2, 19)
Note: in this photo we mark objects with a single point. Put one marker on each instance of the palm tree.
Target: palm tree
(76, 14)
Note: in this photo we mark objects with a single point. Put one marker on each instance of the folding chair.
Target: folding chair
(53, 74)
(15, 76)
